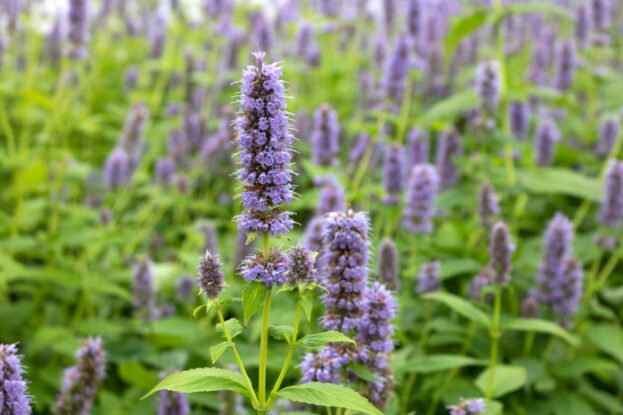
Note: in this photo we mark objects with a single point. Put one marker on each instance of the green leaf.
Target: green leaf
(607, 338)
(457, 266)
(307, 302)
(581, 365)
(493, 408)
(217, 351)
(451, 107)
(363, 372)
(461, 306)
(135, 374)
(253, 294)
(281, 332)
(437, 363)
(462, 28)
(506, 379)
(541, 8)
(317, 340)
(233, 325)
(540, 326)
(329, 395)
(560, 181)
(202, 380)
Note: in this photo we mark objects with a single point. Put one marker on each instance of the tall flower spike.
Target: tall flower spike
(144, 290)
(582, 25)
(117, 169)
(601, 12)
(78, 28)
(301, 267)
(80, 382)
(421, 193)
(428, 279)
(519, 116)
(210, 275)
(323, 367)
(394, 77)
(389, 264)
(449, 147)
(547, 135)
(611, 210)
(608, 133)
(556, 251)
(413, 18)
(172, 403)
(417, 147)
(332, 198)
(569, 291)
(393, 173)
(271, 270)
(488, 205)
(500, 251)
(265, 152)
(343, 264)
(184, 288)
(325, 136)
(375, 341)
(565, 65)
(132, 139)
(14, 399)
(209, 238)
(488, 85)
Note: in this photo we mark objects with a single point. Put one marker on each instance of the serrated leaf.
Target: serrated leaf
(233, 325)
(317, 340)
(461, 306)
(329, 395)
(307, 302)
(253, 294)
(437, 363)
(202, 380)
(217, 351)
(540, 326)
(281, 332)
(506, 379)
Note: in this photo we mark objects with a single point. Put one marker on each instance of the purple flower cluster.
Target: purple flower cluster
(210, 275)
(117, 169)
(547, 135)
(14, 399)
(428, 279)
(80, 382)
(301, 267)
(332, 198)
(500, 251)
(323, 366)
(417, 147)
(271, 271)
(395, 73)
(184, 288)
(519, 116)
(565, 65)
(421, 193)
(611, 210)
(343, 264)
(488, 85)
(488, 205)
(394, 173)
(325, 136)
(144, 290)
(388, 264)
(78, 28)
(608, 133)
(468, 407)
(264, 150)
(449, 147)
(531, 305)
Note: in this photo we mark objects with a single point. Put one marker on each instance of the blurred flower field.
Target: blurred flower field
(311, 207)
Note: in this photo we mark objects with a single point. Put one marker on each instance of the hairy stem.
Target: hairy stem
(264, 349)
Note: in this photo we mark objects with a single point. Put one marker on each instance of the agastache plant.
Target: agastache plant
(14, 398)
(264, 152)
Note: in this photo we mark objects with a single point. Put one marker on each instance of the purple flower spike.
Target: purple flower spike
(417, 147)
(80, 382)
(611, 210)
(271, 271)
(547, 135)
(184, 288)
(519, 115)
(14, 398)
(601, 11)
(449, 147)
(393, 173)
(117, 169)
(388, 264)
(428, 279)
(325, 136)
(265, 152)
(343, 264)
(421, 193)
(608, 133)
(569, 291)
(301, 267)
(210, 279)
(394, 76)
(500, 250)
(144, 290)
(488, 85)
(565, 65)
(488, 205)
(582, 25)
(323, 366)
(531, 305)
(164, 171)
(78, 28)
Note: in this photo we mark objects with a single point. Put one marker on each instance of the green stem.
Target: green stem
(264, 350)
(609, 267)
(528, 342)
(591, 280)
(237, 357)
(286, 363)
(266, 245)
(495, 339)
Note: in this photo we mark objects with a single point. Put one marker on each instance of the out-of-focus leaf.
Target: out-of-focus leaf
(607, 338)
(202, 380)
(437, 363)
(451, 107)
(506, 379)
(540, 326)
(461, 306)
(560, 181)
(462, 27)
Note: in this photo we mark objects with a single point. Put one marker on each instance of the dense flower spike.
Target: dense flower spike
(479, 282)
(80, 382)
(488, 205)
(394, 173)
(132, 139)
(421, 193)
(323, 366)
(413, 18)
(601, 13)
(210, 275)
(343, 265)
(547, 135)
(608, 133)
(394, 77)
(488, 85)
(301, 267)
(209, 238)
(332, 198)
(325, 136)
(565, 65)
(500, 251)
(428, 279)
(611, 211)
(271, 271)
(117, 169)
(468, 407)
(184, 288)
(359, 148)
(172, 403)
(519, 116)
(388, 265)
(144, 290)
(569, 290)
(375, 341)
(14, 399)
(265, 155)
(78, 28)
(417, 147)
(449, 147)
(582, 25)
(307, 49)
(164, 171)
(531, 305)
